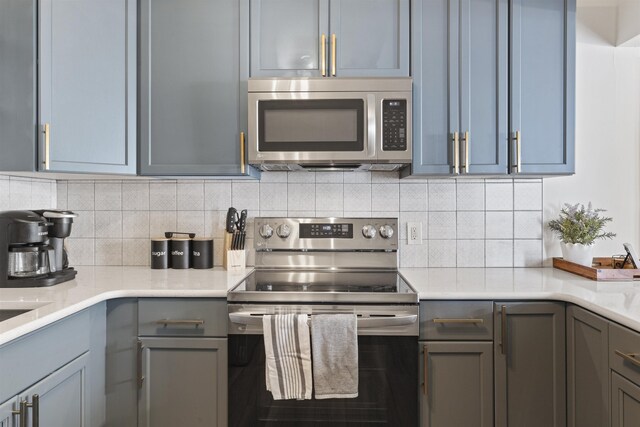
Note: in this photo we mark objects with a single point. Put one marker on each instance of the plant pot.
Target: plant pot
(577, 253)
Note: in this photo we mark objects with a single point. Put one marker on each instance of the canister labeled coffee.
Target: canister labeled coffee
(202, 253)
(180, 250)
(160, 258)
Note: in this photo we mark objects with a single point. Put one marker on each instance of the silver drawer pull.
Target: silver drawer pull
(631, 357)
(363, 322)
(177, 322)
(464, 321)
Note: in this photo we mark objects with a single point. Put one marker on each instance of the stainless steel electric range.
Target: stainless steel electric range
(327, 265)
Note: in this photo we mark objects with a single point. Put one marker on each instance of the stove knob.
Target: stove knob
(266, 231)
(369, 231)
(283, 231)
(386, 231)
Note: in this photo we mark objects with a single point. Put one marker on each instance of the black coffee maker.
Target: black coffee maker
(32, 250)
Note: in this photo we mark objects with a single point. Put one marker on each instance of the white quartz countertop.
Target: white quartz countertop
(617, 301)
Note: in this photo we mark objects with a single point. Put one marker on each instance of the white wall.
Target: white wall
(607, 134)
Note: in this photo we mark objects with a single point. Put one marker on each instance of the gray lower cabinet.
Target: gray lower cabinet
(57, 373)
(182, 361)
(460, 92)
(87, 86)
(457, 384)
(587, 369)
(184, 382)
(542, 86)
(193, 86)
(625, 402)
(314, 38)
(59, 399)
(530, 374)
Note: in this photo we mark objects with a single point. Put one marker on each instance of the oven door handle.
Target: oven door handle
(363, 322)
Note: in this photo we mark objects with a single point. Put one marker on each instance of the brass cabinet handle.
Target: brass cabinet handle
(456, 153)
(425, 369)
(140, 373)
(35, 407)
(503, 332)
(333, 54)
(631, 357)
(467, 141)
(22, 413)
(194, 322)
(242, 148)
(47, 143)
(464, 321)
(517, 167)
(323, 54)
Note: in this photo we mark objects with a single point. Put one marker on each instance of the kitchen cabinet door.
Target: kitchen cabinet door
(18, 47)
(87, 92)
(7, 417)
(460, 83)
(625, 402)
(587, 369)
(295, 38)
(61, 398)
(184, 382)
(543, 86)
(529, 354)
(371, 37)
(193, 76)
(286, 37)
(456, 384)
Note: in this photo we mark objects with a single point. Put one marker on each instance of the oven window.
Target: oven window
(387, 392)
(311, 125)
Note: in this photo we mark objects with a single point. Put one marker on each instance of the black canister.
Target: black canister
(180, 250)
(202, 253)
(160, 258)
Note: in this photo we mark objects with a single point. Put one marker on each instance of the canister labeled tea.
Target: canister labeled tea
(202, 253)
(160, 258)
(180, 250)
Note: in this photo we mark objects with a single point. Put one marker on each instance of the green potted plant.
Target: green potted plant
(578, 227)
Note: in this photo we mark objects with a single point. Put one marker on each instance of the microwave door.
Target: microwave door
(339, 128)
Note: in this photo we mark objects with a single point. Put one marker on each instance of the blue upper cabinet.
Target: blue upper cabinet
(459, 68)
(329, 38)
(193, 95)
(87, 91)
(542, 86)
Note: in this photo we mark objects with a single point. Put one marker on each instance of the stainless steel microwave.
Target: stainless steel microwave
(334, 124)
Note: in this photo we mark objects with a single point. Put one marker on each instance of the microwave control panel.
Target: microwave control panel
(394, 124)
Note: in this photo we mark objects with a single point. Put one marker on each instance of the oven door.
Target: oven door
(308, 127)
(387, 370)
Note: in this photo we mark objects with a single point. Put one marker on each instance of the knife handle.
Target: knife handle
(230, 225)
(243, 220)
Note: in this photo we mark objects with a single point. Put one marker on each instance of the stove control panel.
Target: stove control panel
(326, 231)
(326, 234)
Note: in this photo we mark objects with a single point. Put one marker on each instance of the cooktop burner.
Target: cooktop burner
(324, 286)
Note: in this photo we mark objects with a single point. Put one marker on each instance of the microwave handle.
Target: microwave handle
(371, 126)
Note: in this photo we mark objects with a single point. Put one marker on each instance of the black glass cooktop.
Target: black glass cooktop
(307, 285)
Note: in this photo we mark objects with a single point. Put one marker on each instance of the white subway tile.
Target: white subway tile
(442, 225)
(163, 196)
(470, 225)
(135, 224)
(329, 197)
(357, 197)
(470, 253)
(413, 255)
(245, 195)
(385, 197)
(217, 195)
(191, 222)
(470, 196)
(84, 225)
(80, 251)
(108, 224)
(273, 196)
(499, 196)
(108, 196)
(379, 177)
(357, 177)
(499, 225)
(301, 177)
(527, 195)
(61, 189)
(135, 196)
(190, 196)
(413, 197)
(301, 197)
(330, 177)
(527, 225)
(442, 196)
(527, 253)
(136, 252)
(108, 252)
(162, 221)
(499, 253)
(442, 253)
(405, 217)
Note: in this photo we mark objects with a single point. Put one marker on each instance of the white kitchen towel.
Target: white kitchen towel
(335, 355)
(287, 350)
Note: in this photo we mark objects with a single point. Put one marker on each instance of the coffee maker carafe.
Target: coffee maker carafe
(32, 250)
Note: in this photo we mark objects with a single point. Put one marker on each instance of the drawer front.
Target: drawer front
(182, 317)
(456, 320)
(624, 352)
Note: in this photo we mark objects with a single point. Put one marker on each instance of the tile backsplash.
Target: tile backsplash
(17, 193)
(465, 223)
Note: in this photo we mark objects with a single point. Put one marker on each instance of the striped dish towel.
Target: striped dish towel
(288, 356)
